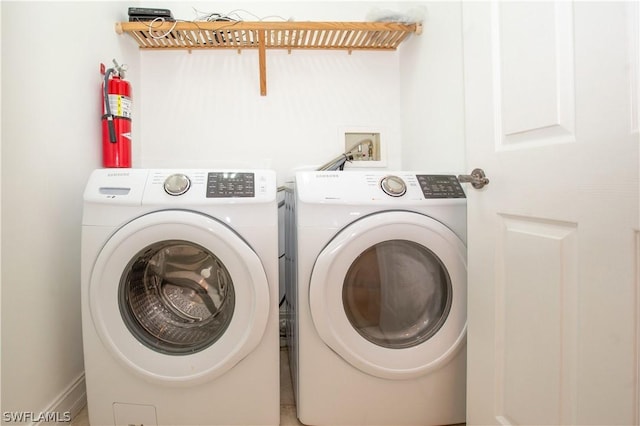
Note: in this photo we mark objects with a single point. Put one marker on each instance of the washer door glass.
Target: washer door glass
(176, 297)
(397, 294)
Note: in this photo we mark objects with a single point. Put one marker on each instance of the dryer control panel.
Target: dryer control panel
(440, 186)
(365, 187)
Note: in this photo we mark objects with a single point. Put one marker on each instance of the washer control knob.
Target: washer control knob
(177, 184)
(393, 185)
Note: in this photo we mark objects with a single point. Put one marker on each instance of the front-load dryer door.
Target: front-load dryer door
(178, 297)
(388, 294)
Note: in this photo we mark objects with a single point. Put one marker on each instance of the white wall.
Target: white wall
(204, 109)
(200, 110)
(432, 93)
(0, 221)
(209, 103)
(50, 142)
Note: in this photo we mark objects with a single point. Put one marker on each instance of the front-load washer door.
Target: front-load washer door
(178, 297)
(388, 294)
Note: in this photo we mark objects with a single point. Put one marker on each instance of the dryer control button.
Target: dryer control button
(177, 184)
(393, 185)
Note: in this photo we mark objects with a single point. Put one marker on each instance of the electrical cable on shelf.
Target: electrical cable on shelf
(162, 21)
(233, 17)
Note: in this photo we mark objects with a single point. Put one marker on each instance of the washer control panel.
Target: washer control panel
(177, 187)
(177, 184)
(230, 185)
(207, 187)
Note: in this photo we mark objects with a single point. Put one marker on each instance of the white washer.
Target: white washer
(377, 293)
(180, 297)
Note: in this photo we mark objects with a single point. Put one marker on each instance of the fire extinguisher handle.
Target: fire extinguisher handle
(110, 125)
(112, 129)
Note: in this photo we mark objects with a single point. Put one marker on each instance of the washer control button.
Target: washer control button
(393, 185)
(177, 184)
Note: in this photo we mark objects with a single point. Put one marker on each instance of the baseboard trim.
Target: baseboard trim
(72, 400)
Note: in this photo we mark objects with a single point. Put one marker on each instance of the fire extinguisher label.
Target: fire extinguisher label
(120, 106)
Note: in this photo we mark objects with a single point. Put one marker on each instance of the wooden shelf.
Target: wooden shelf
(347, 36)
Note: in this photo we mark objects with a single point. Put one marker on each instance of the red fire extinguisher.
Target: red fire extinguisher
(116, 117)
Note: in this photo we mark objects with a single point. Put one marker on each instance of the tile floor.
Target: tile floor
(287, 402)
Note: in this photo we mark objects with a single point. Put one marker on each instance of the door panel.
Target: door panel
(535, 319)
(544, 76)
(551, 116)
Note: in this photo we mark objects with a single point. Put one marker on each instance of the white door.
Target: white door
(551, 94)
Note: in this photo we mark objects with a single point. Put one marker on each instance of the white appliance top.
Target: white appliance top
(376, 187)
(180, 187)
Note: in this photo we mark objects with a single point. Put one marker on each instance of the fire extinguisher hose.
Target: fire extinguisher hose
(107, 105)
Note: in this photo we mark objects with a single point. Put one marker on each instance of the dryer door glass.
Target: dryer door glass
(397, 294)
(176, 297)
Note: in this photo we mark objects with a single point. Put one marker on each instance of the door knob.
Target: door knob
(477, 179)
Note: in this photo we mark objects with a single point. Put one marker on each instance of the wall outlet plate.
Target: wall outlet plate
(369, 143)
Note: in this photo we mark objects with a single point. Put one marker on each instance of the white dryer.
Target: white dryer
(377, 292)
(180, 297)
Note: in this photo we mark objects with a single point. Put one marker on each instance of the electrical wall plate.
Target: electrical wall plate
(371, 141)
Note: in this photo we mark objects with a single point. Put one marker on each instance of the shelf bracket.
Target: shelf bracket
(262, 59)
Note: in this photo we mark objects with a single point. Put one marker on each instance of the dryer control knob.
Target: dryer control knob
(177, 184)
(393, 185)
